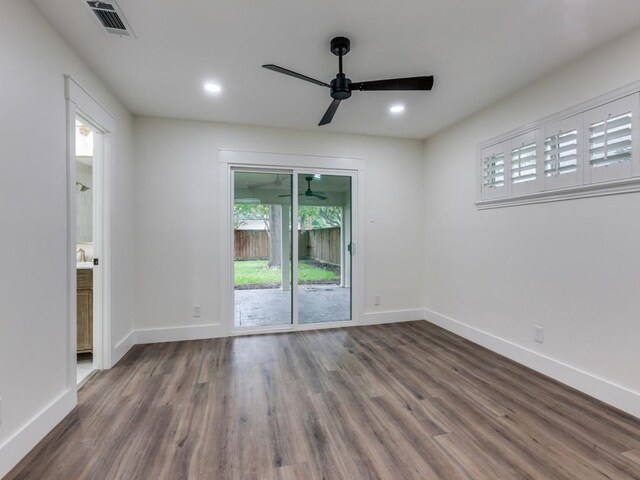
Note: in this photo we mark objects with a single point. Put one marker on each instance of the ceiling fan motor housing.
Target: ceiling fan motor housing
(341, 87)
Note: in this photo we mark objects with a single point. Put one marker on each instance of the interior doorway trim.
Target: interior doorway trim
(238, 159)
(80, 102)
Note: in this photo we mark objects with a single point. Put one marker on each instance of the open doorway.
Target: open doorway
(90, 142)
(86, 141)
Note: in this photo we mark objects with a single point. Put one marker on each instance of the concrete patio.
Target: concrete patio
(269, 307)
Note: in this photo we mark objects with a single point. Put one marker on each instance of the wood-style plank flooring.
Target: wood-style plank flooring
(401, 401)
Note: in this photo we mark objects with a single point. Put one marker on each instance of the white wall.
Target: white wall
(177, 209)
(33, 188)
(572, 267)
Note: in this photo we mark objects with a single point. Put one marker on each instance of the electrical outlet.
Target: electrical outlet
(197, 310)
(539, 334)
(376, 300)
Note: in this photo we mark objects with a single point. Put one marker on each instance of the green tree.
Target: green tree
(271, 215)
(313, 217)
(243, 212)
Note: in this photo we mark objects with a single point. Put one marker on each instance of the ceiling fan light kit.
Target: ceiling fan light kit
(341, 87)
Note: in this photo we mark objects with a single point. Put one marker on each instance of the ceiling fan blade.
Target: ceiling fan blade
(410, 83)
(319, 196)
(291, 73)
(331, 111)
(288, 195)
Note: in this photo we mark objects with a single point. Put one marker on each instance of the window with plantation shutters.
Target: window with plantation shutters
(523, 170)
(609, 140)
(494, 171)
(588, 150)
(561, 168)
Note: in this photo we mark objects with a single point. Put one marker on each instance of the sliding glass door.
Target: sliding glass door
(262, 236)
(324, 257)
(291, 252)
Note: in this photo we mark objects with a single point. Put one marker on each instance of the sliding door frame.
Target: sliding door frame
(234, 160)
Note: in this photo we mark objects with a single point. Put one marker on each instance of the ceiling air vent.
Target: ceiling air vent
(110, 17)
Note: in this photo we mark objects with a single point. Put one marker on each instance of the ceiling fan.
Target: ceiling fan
(308, 192)
(341, 86)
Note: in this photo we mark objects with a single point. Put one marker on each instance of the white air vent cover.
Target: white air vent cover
(110, 17)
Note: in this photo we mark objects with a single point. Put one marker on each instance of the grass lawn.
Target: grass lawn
(256, 273)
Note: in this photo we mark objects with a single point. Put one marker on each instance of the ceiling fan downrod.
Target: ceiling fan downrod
(341, 85)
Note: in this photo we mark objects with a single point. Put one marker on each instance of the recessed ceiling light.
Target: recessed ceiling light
(397, 109)
(212, 87)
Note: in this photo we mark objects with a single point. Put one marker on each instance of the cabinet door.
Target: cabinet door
(85, 320)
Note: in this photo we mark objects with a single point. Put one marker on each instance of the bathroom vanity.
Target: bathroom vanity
(85, 309)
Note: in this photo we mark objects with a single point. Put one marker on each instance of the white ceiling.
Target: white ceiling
(478, 50)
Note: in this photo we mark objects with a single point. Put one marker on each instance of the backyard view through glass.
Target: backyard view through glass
(324, 237)
(262, 249)
(263, 293)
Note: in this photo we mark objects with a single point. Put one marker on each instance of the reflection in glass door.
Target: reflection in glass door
(324, 248)
(262, 249)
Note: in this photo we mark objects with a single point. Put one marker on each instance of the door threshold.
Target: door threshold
(84, 381)
(290, 328)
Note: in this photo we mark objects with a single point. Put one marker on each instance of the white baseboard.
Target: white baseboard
(177, 334)
(394, 316)
(20, 443)
(122, 347)
(600, 388)
(216, 330)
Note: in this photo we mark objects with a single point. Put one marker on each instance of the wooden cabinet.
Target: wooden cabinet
(85, 310)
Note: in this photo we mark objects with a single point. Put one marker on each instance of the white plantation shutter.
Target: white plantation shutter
(494, 183)
(610, 141)
(561, 162)
(523, 170)
(523, 163)
(494, 170)
(609, 136)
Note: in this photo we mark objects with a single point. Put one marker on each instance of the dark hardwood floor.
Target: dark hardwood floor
(402, 401)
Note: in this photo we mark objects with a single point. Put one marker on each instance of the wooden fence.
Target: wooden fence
(322, 245)
(251, 244)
